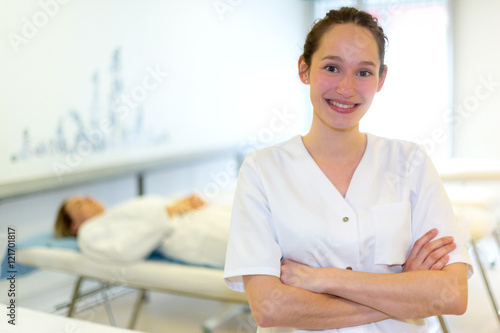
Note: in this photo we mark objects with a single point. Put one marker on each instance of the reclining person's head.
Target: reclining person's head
(73, 213)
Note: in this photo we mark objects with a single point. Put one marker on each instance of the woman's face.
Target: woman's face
(343, 76)
(80, 209)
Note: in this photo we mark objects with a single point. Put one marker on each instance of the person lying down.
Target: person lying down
(189, 230)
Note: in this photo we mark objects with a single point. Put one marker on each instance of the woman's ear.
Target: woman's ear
(73, 228)
(303, 70)
(381, 79)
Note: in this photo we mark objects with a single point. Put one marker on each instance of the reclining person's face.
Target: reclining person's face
(80, 209)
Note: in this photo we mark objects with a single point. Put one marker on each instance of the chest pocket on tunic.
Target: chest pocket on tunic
(393, 239)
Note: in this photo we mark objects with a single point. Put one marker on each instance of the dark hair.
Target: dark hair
(342, 16)
(62, 227)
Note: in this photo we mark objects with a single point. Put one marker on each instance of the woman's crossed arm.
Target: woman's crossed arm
(325, 298)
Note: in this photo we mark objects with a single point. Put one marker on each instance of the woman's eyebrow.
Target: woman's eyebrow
(368, 63)
(337, 58)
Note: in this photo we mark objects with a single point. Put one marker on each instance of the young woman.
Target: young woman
(334, 230)
(79, 209)
(189, 230)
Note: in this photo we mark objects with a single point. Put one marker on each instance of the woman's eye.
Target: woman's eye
(331, 68)
(364, 73)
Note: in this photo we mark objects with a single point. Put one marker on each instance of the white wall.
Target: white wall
(476, 61)
(227, 69)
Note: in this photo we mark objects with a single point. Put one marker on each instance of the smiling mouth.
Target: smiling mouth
(340, 105)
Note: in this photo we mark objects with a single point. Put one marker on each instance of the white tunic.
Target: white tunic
(285, 207)
(132, 230)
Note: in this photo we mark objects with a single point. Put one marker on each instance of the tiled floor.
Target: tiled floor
(44, 291)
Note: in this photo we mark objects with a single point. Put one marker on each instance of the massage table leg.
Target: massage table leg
(229, 311)
(137, 308)
(107, 306)
(76, 292)
(443, 324)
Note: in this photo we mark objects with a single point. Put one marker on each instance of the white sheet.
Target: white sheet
(199, 237)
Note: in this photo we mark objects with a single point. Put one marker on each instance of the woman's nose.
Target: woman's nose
(346, 86)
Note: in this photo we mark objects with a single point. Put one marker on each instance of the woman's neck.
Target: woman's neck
(335, 145)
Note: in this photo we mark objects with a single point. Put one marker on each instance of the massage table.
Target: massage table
(153, 274)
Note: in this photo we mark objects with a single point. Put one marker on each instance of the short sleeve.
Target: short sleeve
(431, 207)
(252, 244)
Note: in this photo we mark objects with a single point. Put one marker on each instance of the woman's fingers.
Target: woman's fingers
(195, 201)
(421, 242)
(437, 255)
(440, 263)
(429, 254)
(434, 250)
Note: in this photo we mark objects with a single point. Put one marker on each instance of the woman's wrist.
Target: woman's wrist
(326, 280)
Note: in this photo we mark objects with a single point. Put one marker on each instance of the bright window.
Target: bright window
(414, 103)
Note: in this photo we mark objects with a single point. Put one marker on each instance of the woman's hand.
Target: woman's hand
(300, 276)
(427, 254)
(185, 205)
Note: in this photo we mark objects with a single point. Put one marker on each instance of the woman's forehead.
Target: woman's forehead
(73, 201)
(348, 41)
